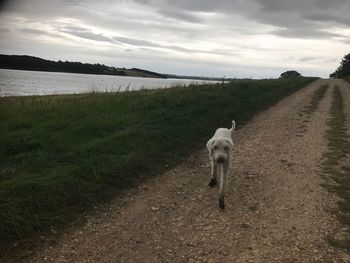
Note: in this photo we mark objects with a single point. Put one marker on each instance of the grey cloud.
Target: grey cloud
(328, 17)
(297, 19)
(307, 19)
(221, 6)
(84, 33)
(90, 36)
(135, 42)
(277, 6)
(305, 33)
(179, 28)
(182, 15)
(38, 32)
(4, 30)
(70, 30)
(87, 35)
(329, 60)
(202, 5)
(309, 58)
(149, 44)
(345, 40)
(4, 4)
(300, 6)
(138, 43)
(33, 31)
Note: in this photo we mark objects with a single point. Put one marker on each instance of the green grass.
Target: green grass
(335, 165)
(61, 155)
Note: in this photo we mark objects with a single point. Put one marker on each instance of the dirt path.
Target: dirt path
(276, 210)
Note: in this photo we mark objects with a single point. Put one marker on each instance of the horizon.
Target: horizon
(235, 39)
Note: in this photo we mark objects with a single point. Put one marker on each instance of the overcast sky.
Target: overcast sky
(232, 38)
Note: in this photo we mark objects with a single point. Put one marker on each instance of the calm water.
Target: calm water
(24, 83)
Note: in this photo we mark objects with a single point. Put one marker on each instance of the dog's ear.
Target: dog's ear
(229, 142)
(210, 146)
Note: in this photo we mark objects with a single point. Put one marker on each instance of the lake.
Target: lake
(27, 83)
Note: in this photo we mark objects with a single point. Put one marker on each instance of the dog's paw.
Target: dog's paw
(212, 182)
(221, 203)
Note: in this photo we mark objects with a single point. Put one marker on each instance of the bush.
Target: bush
(290, 74)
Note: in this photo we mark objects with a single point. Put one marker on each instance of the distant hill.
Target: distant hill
(39, 64)
(172, 76)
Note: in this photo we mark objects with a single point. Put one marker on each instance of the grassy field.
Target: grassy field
(61, 155)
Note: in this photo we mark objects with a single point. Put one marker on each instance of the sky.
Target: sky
(232, 38)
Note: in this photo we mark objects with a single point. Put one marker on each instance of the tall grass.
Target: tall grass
(60, 155)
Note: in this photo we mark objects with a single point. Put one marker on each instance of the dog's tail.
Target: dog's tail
(233, 127)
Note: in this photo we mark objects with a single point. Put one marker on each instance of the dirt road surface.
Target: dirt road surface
(276, 209)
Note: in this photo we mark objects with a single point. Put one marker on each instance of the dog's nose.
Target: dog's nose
(220, 159)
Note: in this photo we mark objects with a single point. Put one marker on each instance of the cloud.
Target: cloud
(309, 58)
(135, 42)
(85, 33)
(33, 31)
(256, 34)
(297, 18)
(182, 16)
(305, 33)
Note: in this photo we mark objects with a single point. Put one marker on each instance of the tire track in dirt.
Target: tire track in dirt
(337, 161)
(276, 208)
(309, 109)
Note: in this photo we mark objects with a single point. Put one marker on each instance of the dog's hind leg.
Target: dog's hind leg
(214, 168)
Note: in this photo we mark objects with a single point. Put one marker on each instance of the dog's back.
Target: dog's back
(223, 133)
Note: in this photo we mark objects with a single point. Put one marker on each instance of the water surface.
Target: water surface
(25, 83)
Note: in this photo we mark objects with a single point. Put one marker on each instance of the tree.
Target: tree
(290, 74)
(344, 69)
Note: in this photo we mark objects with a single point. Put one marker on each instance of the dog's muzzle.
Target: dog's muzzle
(220, 159)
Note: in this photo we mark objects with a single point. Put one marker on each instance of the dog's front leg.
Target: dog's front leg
(225, 168)
(214, 169)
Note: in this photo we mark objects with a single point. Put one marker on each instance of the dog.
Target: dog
(220, 149)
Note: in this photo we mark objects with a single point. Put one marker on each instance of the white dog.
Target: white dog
(220, 147)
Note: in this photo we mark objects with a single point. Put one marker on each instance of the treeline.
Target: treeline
(39, 64)
(344, 68)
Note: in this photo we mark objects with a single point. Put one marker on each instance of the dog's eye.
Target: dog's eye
(215, 147)
(226, 148)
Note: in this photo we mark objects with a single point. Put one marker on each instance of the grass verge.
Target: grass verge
(337, 163)
(60, 155)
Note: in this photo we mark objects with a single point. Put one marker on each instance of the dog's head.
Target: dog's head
(219, 149)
